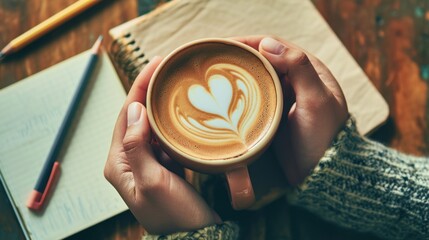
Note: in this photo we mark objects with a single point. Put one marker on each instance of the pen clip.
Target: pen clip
(36, 199)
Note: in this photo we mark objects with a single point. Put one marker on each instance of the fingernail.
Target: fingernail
(134, 113)
(272, 46)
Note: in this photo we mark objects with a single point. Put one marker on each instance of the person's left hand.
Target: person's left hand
(314, 110)
(161, 201)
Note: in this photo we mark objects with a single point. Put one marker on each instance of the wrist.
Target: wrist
(336, 144)
(320, 147)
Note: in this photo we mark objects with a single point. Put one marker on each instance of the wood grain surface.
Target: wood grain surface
(388, 38)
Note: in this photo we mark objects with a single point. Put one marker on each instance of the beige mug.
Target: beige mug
(178, 128)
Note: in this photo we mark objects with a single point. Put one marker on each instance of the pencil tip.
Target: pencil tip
(97, 45)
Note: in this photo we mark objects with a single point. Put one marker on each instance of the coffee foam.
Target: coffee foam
(214, 101)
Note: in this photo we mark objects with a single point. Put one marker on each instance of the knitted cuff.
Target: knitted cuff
(365, 186)
(225, 231)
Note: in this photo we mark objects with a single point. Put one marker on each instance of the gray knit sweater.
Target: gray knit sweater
(365, 186)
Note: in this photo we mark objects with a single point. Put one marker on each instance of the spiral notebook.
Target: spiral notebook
(180, 21)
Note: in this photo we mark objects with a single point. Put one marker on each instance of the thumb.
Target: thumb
(137, 143)
(295, 65)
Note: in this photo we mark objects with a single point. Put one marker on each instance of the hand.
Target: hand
(160, 200)
(314, 106)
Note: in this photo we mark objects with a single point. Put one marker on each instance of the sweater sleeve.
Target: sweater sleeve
(225, 231)
(366, 186)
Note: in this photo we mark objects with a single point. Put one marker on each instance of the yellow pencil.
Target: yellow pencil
(46, 26)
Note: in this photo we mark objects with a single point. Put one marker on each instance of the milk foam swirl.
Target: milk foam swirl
(229, 98)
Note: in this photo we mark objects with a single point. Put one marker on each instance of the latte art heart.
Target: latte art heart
(212, 101)
(229, 101)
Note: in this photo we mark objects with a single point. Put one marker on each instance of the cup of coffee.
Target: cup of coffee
(214, 105)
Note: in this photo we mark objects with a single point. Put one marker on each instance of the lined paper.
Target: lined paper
(31, 113)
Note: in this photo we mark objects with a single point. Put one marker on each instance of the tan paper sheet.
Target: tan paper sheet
(298, 21)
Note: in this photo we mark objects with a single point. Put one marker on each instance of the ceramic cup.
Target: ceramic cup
(214, 106)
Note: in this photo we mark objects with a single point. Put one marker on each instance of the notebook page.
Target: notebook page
(32, 111)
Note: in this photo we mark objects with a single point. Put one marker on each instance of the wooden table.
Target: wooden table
(388, 38)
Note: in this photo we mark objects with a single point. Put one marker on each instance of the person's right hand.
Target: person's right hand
(314, 111)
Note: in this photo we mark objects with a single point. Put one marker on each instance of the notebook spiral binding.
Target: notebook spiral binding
(129, 57)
